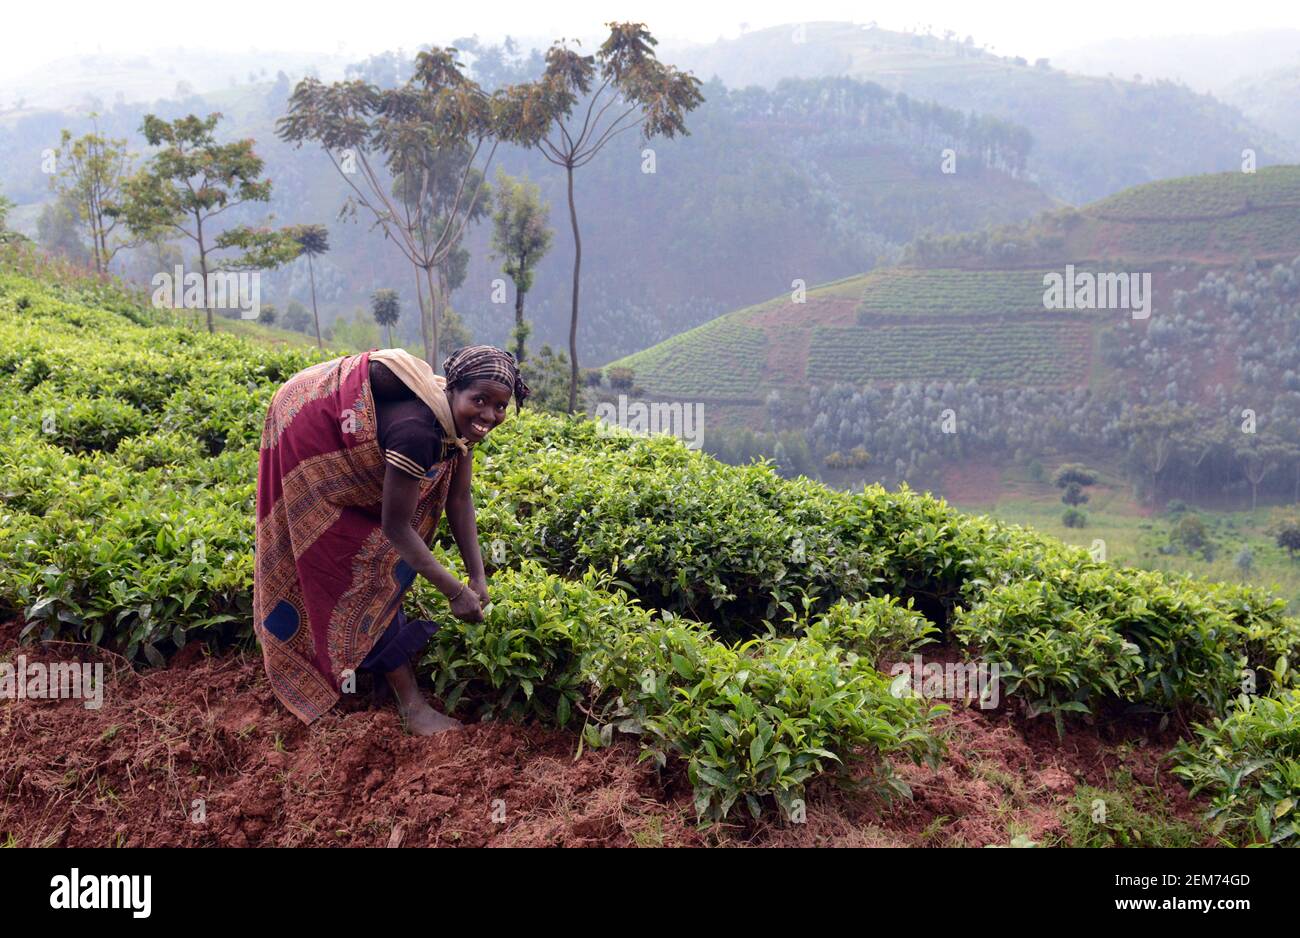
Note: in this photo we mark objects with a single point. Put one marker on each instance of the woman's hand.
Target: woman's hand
(479, 586)
(466, 607)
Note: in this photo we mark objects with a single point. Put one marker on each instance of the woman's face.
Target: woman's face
(478, 407)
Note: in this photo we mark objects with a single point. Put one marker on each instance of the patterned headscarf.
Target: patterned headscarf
(485, 361)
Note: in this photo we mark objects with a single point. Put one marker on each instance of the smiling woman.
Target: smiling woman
(360, 457)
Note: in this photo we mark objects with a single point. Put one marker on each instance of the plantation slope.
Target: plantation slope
(971, 307)
(732, 623)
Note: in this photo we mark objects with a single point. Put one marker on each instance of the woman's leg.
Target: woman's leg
(391, 657)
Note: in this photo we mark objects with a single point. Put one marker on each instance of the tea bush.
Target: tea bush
(749, 720)
(634, 583)
(1249, 761)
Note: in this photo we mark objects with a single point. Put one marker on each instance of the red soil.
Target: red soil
(789, 332)
(208, 728)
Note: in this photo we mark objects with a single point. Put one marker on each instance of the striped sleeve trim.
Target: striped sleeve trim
(404, 463)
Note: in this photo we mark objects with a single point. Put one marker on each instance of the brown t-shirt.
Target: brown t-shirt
(409, 433)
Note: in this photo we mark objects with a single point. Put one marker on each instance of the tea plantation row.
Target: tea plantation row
(731, 620)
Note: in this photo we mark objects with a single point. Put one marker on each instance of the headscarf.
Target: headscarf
(474, 362)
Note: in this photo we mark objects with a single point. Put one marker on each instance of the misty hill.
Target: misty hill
(873, 361)
(812, 180)
(1093, 135)
(1257, 71)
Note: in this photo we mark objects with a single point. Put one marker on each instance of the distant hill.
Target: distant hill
(1272, 99)
(1257, 71)
(813, 179)
(1093, 135)
(872, 361)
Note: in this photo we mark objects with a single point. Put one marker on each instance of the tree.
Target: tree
(1287, 533)
(547, 374)
(453, 333)
(1154, 434)
(386, 309)
(94, 171)
(358, 334)
(632, 76)
(296, 317)
(367, 131)
(57, 230)
(1259, 459)
(8, 236)
(192, 180)
(520, 238)
(313, 241)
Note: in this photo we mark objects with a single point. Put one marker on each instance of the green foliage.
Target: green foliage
(1070, 474)
(520, 236)
(356, 334)
(912, 292)
(721, 359)
(750, 721)
(1249, 760)
(620, 379)
(547, 374)
(190, 180)
(1119, 817)
(1038, 351)
(1190, 533)
(1073, 517)
(733, 617)
(1078, 635)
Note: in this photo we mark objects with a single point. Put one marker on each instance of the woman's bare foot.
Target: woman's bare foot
(418, 717)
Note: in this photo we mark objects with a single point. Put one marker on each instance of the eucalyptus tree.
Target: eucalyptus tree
(520, 239)
(190, 181)
(313, 241)
(93, 172)
(385, 308)
(643, 92)
(378, 137)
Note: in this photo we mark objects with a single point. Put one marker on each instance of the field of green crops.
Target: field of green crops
(731, 621)
(722, 359)
(909, 291)
(1193, 196)
(1039, 352)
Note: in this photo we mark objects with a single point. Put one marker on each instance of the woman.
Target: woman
(359, 458)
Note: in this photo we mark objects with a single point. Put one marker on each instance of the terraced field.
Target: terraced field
(1041, 352)
(1267, 231)
(980, 315)
(722, 360)
(1192, 197)
(905, 291)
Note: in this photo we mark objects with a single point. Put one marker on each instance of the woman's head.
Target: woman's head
(480, 382)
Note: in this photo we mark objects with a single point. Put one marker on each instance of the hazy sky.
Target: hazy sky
(39, 32)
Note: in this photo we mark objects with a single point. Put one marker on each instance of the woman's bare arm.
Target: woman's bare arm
(461, 518)
(401, 495)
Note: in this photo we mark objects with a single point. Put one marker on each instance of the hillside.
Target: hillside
(1093, 135)
(872, 360)
(815, 179)
(652, 608)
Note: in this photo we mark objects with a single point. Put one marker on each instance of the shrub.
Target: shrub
(750, 721)
(1074, 518)
(1249, 761)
